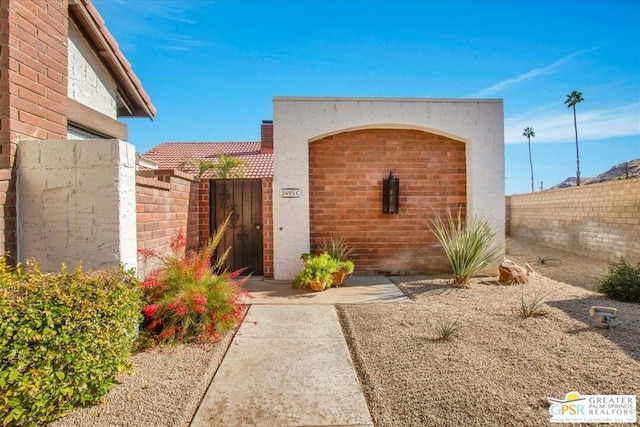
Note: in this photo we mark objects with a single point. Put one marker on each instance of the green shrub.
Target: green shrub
(621, 281)
(186, 299)
(63, 338)
(469, 247)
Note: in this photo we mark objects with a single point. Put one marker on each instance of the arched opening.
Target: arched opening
(346, 170)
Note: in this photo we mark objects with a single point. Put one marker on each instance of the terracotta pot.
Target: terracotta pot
(317, 286)
(338, 277)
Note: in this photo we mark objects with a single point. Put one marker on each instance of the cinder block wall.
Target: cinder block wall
(33, 90)
(601, 220)
(345, 178)
(76, 203)
(167, 201)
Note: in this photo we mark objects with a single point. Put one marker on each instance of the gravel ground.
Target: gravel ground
(501, 368)
(165, 389)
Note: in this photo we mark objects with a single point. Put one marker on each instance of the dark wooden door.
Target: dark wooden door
(241, 199)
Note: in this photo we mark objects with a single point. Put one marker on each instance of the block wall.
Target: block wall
(33, 90)
(601, 220)
(345, 185)
(167, 201)
(76, 203)
(90, 83)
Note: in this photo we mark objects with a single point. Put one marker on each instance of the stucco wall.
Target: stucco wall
(297, 121)
(89, 81)
(601, 220)
(76, 202)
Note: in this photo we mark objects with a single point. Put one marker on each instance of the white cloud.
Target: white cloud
(592, 124)
(536, 72)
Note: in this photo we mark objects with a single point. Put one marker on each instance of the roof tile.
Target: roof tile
(171, 154)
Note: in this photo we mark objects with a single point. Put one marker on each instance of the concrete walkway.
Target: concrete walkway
(289, 364)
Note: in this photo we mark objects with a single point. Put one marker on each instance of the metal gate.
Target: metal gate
(242, 199)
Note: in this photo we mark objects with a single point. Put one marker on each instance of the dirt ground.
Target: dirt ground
(501, 367)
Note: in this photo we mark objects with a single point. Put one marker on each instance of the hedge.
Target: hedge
(63, 338)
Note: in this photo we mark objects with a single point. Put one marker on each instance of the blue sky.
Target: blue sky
(213, 67)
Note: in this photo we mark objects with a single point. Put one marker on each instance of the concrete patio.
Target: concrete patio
(289, 364)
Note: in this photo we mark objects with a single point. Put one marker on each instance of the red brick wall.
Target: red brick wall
(346, 172)
(167, 200)
(267, 227)
(204, 212)
(33, 89)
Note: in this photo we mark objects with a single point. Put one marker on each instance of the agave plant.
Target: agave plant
(468, 246)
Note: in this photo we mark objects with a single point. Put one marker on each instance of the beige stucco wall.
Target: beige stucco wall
(76, 202)
(89, 81)
(477, 123)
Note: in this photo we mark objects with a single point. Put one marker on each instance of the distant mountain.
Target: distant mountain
(625, 170)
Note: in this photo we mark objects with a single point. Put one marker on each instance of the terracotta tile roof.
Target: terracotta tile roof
(169, 155)
(138, 103)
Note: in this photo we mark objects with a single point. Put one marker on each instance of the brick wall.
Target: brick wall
(204, 212)
(33, 89)
(267, 227)
(601, 220)
(167, 200)
(346, 172)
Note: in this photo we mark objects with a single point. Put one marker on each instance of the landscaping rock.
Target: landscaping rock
(511, 273)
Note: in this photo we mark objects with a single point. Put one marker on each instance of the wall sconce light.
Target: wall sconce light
(390, 194)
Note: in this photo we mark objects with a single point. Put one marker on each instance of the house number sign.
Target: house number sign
(290, 193)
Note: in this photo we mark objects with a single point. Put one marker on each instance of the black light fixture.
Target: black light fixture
(390, 194)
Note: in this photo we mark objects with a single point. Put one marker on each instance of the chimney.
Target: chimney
(266, 136)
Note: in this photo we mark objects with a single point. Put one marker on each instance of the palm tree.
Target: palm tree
(224, 166)
(196, 166)
(230, 167)
(529, 133)
(572, 99)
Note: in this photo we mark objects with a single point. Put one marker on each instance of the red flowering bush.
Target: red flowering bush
(187, 299)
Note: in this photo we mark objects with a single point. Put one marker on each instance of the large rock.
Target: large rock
(511, 273)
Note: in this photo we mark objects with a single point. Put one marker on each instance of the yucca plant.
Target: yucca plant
(469, 245)
(532, 306)
(338, 247)
(446, 328)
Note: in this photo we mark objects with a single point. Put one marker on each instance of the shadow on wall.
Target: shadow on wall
(624, 330)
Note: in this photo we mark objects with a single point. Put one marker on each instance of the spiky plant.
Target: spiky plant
(469, 246)
(532, 306)
(337, 247)
(446, 328)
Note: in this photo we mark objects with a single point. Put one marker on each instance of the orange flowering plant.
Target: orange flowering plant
(186, 298)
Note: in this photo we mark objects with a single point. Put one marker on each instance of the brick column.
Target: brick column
(33, 90)
(204, 214)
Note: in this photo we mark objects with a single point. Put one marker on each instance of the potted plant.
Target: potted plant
(345, 268)
(317, 272)
(339, 248)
